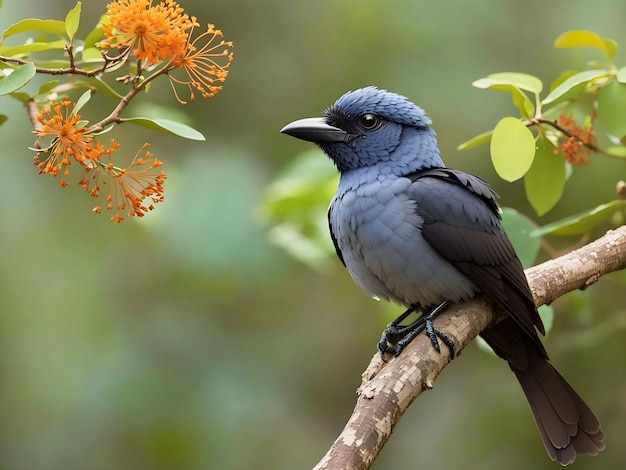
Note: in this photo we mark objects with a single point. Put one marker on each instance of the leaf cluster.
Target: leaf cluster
(582, 115)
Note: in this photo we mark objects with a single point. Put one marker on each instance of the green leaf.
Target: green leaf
(72, 20)
(106, 130)
(52, 64)
(582, 222)
(519, 227)
(167, 126)
(564, 75)
(575, 85)
(523, 103)
(18, 78)
(45, 26)
(32, 47)
(96, 34)
(584, 38)
(82, 101)
(47, 87)
(520, 99)
(476, 141)
(545, 180)
(612, 108)
(99, 85)
(91, 54)
(522, 81)
(22, 97)
(616, 151)
(512, 149)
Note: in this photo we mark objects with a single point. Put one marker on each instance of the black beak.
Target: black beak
(316, 130)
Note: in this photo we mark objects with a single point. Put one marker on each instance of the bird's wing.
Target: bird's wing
(462, 223)
(334, 238)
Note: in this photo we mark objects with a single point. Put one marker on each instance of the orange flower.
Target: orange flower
(137, 190)
(575, 146)
(68, 139)
(574, 151)
(154, 33)
(204, 65)
(132, 189)
(93, 167)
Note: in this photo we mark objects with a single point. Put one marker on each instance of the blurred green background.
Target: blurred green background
(185, 340)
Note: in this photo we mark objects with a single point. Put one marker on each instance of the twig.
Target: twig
(541, 120)
(60, 71)
(137, 87)
(33, 110)
(387, 390)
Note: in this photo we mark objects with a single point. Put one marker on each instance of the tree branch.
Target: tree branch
(387, 390)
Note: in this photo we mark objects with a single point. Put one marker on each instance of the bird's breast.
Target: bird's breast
(378, 231)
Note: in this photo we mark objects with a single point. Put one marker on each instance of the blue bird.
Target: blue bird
(412, 231)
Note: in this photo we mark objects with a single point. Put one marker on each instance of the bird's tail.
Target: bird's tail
(566, 424)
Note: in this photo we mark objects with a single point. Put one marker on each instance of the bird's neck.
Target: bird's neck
(418, 150)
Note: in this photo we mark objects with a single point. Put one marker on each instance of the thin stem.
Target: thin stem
(114, 117)
(537, 120)
(70, 52)
(62, 71)
(33, 111)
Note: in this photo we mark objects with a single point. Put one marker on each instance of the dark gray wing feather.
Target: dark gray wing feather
(462, 222)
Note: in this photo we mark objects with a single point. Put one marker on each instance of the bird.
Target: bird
(412, 231)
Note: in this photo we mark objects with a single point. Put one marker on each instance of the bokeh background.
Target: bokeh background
(186, 340)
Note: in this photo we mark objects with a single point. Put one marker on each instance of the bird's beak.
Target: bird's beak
(316, 130)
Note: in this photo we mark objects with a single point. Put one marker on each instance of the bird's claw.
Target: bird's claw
(396, 337)
(389, 341)
(434, 334)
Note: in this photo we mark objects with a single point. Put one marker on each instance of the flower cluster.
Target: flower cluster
(152, 33)
(150, 39)
(575, 146)
(69, 140)
(163, 32)
(133, 190)
(205, 65)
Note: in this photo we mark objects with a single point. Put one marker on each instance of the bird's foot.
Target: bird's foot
(396, 337)
(394, 334)
(435, 335)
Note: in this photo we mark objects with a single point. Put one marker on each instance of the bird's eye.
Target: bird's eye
(369, 121)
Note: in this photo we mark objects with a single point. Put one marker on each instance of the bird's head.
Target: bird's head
(370, 127)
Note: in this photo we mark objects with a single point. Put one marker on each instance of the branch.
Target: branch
(541, 120)
(115, 116)
(72, 70)
(387, 390)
